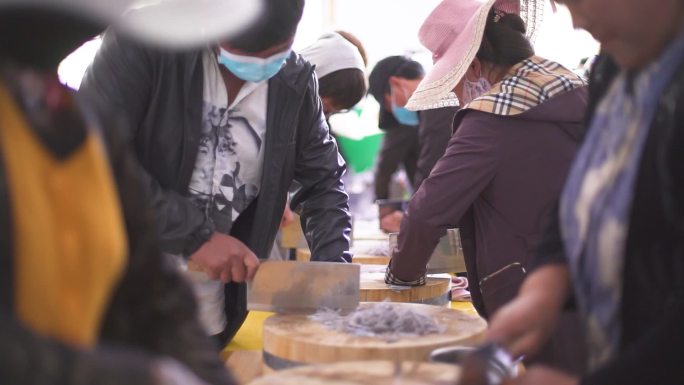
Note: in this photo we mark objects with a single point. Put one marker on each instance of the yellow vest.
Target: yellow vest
(69, 240)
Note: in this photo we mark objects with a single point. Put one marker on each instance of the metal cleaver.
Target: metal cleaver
(304, 287)
(448, 255)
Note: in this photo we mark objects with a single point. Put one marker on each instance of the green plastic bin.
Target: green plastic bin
(360, 154)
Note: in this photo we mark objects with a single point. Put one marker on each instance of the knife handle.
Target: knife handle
(192, 266)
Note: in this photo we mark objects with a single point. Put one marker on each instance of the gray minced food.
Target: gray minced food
(384, 320)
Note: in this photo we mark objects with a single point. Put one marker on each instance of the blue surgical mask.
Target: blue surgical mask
(404, 116)
(253, 69)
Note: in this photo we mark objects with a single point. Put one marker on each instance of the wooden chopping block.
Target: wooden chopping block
(245, 365)
(373, 288)
(293, 340)
(304, 255)
(371, 259)
(366, 373)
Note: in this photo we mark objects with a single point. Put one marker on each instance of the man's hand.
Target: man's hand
(539, 375)
(288, 217)
(391, 223)
(527, 322)
(226, 258)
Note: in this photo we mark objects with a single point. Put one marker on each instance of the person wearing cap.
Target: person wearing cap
(616, 244)
(514, 138)
(221, 133)
(434, 131)
(391, 83)
(350, 37)
(341, 72)
(85, 294)
(400, 144)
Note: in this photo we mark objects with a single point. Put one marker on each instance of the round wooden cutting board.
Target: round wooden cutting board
(374, 289)
(366, 373)
(371, 259)
(304, 255)
(292, 340)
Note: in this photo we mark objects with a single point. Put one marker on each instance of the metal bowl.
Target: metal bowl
(447, 256)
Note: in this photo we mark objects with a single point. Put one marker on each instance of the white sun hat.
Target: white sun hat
(332, 52)
(175, 23)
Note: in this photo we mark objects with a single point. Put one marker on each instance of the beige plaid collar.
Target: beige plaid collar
(527, 85)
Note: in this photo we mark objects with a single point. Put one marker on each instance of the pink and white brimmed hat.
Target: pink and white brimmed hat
(453, 33)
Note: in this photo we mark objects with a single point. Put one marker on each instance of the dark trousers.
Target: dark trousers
(399, 147)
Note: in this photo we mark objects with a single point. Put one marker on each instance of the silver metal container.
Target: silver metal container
(448, 255)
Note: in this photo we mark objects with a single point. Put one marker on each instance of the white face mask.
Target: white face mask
(473, 90)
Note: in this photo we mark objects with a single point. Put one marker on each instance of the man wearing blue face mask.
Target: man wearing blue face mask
(221, 134)
(391, 82)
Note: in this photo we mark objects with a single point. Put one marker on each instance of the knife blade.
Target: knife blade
(304, 287)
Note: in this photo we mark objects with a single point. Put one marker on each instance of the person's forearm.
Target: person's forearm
(416, 242)
(550, 282)
(525, 324)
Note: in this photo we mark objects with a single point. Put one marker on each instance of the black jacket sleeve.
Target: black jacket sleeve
(321, 200)
(120, 82)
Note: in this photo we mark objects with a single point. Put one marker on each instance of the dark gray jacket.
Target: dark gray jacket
(160, 94)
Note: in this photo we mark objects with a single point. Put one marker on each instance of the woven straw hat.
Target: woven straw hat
(453, 33)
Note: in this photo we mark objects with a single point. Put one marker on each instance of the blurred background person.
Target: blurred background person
(503, 170)
(434, 131)
(391, 83)
(85, 295)
(615, 245)
(340, 69)
(414, 140)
